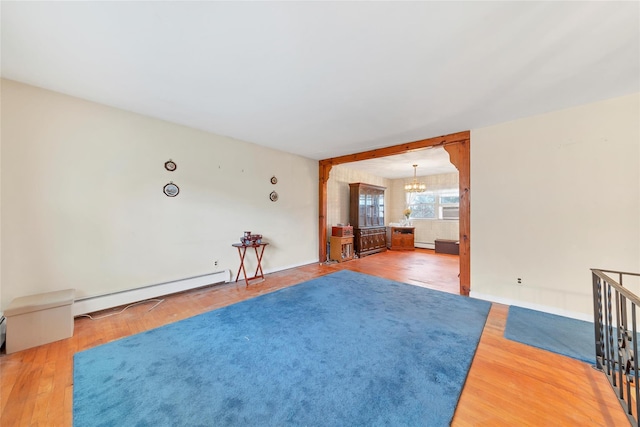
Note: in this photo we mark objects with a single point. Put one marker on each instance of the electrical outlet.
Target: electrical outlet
(215, 263)
(519, 281)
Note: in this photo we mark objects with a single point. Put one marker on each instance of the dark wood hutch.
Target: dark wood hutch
(366, 215)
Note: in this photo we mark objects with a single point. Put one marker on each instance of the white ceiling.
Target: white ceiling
(430, 161)
(324, 79)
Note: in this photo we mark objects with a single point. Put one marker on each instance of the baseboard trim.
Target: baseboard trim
(103, 302)
(116, 299)
(531, 306)
(424, 245)
(284, 267)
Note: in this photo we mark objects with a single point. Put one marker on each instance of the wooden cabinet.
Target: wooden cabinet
(366, 208)
(370, 240)
(400, 238)
(366, 215)
(341, 248)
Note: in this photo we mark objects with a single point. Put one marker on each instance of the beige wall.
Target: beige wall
(338, 193)
(552, 196)
(426, 230)
(83, 207)
(82, 203)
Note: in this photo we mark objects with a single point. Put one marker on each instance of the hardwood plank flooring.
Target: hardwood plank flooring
(508, 383)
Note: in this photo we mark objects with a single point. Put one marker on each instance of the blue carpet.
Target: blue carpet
(562, 335)
(343, 349)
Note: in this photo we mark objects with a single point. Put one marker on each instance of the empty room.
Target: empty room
(319, 213)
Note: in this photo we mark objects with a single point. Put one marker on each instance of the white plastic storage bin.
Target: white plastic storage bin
(39, 319)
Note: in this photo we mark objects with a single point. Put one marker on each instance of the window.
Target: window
(422, 205)
(433, 204)
(450, 199)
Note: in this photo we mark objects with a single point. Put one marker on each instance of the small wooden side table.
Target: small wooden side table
(341, 248)
(242, 252)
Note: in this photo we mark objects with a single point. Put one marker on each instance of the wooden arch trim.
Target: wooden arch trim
(458, 146)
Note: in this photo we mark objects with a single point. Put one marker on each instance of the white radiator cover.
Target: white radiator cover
(103, 302)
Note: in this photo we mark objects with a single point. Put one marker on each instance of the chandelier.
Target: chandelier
(415, 186)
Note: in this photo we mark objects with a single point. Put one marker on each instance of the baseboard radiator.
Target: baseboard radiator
(103, 302)
(616, 335)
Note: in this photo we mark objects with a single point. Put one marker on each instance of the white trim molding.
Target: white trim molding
(102, 302)
(531, 306)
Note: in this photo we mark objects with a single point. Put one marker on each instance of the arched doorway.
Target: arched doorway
(458, 147)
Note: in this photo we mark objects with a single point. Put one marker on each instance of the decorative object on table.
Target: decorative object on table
(171, 189)
(405, 221)
(274, 180)
(342, 230)
(415, 186)
(273, 196)
(170, 165)
(251, 239)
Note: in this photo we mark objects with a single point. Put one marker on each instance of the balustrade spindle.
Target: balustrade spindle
(618, 362)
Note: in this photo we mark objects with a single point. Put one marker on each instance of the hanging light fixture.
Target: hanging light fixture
(415, 186)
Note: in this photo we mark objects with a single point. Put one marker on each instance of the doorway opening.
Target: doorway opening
(458, 147)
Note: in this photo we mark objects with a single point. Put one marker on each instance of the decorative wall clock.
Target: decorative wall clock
(171, 189)
(273, 196)
(170, 165)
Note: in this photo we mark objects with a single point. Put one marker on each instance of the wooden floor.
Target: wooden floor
(509, 384)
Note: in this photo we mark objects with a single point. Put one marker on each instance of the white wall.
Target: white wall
(553, 196)
(83, 207)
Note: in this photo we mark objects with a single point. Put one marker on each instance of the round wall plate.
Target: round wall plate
(273, 196)
(170, 165)
(171, 189)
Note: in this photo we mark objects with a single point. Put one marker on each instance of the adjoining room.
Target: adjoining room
(319, 213)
